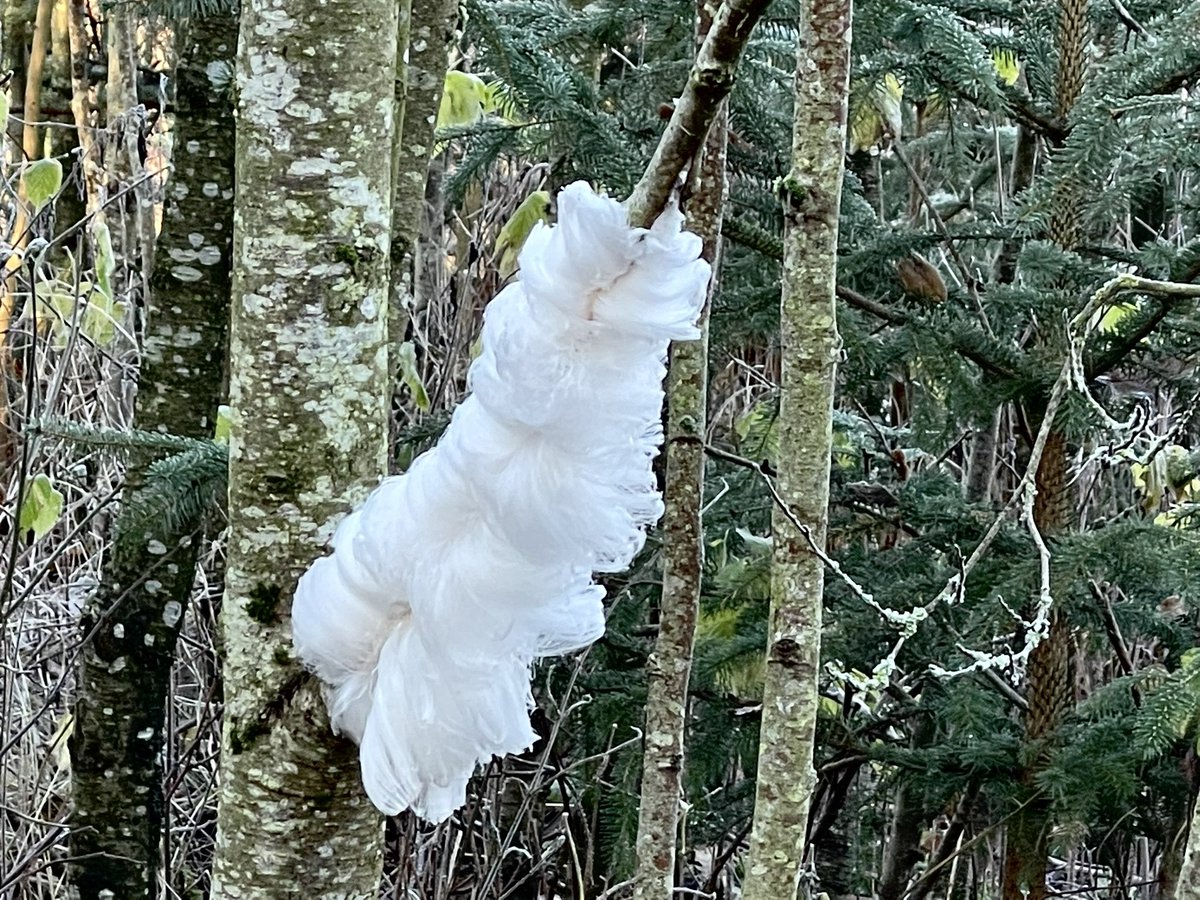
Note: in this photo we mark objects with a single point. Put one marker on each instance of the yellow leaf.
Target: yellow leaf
(105, 261)
(224, 424)
(876, 114)
(1115, 315)
(1008, 67)
(42, 180)
(533, 209)
(462, 100)
(41, 507)
(406, 356)
(498, 101)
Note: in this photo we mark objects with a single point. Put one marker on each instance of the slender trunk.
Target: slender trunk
(308, 393)
(908, 818)
(83, 107)
(118, 740)
(29, 93)
(128, 207)
(981, 466)
(1048, 685)
(809, 347)
(430, 34)
(903, 847)
(1187, 882)
(31, 139)
(670, 665)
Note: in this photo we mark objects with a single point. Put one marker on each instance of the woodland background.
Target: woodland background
(1008, 697)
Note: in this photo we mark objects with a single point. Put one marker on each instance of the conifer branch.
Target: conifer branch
(970, 345)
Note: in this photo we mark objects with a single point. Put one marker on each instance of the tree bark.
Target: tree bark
(810, 347)
(82, 107)
(124, 676)
(708, 84)
(31, 138)
(308, 393)
(430, 34)
(670, 665)
(1049, 691)
(1187, 886)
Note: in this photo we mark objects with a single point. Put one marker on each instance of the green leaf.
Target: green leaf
(101, 317)
(42, 507)
(224, 424)
(406, 356)
(758, 432)
(462, 100)
(533, 209)
(42, 181)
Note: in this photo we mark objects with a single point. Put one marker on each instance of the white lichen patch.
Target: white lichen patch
(255, 304)
(265, 88)
(172, 612)
(304, 112)
(273, 21)
(360, 201)
(208, 256)
(186, 273)
(348, 103)
(314, 167)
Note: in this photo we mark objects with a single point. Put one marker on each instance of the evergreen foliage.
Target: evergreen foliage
(920, 382)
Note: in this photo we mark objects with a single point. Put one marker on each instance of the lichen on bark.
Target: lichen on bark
(131, 622)
(809, 347)
(308, 393)
(669, 666)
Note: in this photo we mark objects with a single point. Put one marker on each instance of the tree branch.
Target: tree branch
(710, 81)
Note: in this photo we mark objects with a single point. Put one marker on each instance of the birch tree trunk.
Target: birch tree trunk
(308, 392)
(670, 665)
(137, 610)
(810, 347)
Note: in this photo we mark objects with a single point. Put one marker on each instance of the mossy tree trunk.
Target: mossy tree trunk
(136, 613)
(810, 347)
(308, 393)
(669, 667)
